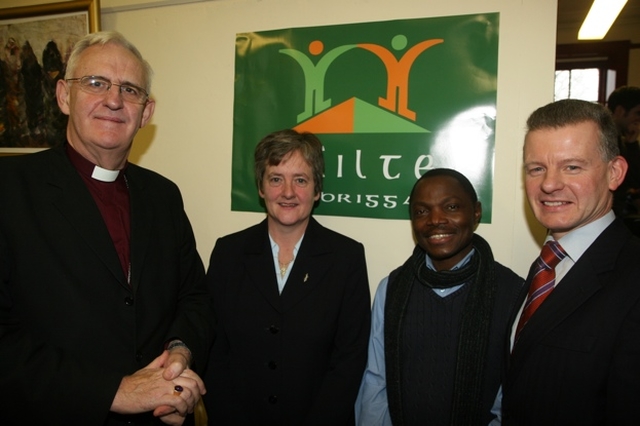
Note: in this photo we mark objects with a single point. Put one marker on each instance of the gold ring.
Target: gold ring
(177, 390)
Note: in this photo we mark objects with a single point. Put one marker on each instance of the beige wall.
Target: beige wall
(191, 47)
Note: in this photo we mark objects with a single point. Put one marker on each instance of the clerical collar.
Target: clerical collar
(104, 175)
(87, 168)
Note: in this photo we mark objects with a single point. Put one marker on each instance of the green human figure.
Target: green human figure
(397, 99)
(314, 75)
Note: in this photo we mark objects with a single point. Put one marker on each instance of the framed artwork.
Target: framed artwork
(35, 43)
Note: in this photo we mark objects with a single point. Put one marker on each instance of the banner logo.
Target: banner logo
(389, 101)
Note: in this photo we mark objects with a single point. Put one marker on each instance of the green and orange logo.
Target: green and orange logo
(389, 100)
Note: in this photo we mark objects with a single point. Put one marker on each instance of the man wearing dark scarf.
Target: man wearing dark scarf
(440, 320)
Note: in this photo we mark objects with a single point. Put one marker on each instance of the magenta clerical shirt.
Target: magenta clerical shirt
(110, 192)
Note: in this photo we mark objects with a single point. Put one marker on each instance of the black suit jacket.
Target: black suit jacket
(294, 358)
(70, 326)
(577, 361)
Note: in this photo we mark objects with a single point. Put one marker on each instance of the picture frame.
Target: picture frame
(35, 43)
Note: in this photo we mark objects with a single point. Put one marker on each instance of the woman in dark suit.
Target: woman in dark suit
(292, 303)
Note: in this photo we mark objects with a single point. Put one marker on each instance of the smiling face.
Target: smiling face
(104, 125)
(443, 218)
(567, 181)
(288, 193)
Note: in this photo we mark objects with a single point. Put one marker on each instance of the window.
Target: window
(590, 71)
(583, 84)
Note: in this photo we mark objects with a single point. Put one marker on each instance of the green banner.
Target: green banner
(389, 100)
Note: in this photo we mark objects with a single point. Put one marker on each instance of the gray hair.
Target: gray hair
(102, 38)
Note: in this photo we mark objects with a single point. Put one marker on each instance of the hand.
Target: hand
(179, 360)
(172, 419)
(146, 390)
(177, 365)
(192, 388)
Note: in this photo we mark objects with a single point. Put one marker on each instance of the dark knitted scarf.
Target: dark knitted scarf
(479, 273)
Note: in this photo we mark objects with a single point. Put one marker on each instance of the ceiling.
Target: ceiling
(571, 13)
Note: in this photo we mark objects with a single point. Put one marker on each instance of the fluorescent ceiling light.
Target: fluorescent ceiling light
(600, 18)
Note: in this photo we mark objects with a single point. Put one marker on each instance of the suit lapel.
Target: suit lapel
(142, 218)
(74, 201)
(258, 262)
(310, 267)
(586, 278)
(574, 290)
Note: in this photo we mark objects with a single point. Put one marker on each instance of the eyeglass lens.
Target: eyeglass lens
(99, 86)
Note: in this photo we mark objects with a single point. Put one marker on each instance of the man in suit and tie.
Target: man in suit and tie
(576, 343)
(103, 307)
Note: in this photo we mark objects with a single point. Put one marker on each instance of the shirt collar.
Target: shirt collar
(276, 249)
(458, 265)
(576, 242)
(87, 168)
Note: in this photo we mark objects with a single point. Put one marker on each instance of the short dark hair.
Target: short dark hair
(275, 146)
(627, 97)
(568, 112)
(462, 180)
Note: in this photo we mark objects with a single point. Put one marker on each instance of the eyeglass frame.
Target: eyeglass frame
(109, 84)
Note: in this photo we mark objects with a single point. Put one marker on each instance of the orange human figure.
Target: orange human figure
(397, 99)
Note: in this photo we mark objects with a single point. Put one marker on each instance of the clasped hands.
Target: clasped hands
(153, 388)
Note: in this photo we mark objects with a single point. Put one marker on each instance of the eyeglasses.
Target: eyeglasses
(100, 85)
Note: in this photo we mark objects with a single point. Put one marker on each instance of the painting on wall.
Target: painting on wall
(35, 43)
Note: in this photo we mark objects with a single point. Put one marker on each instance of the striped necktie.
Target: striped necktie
(543, 281)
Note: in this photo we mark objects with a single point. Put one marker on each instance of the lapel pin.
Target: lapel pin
(306, 277)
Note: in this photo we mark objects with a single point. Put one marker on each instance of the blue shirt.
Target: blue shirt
(371, 405)
(275, 249)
